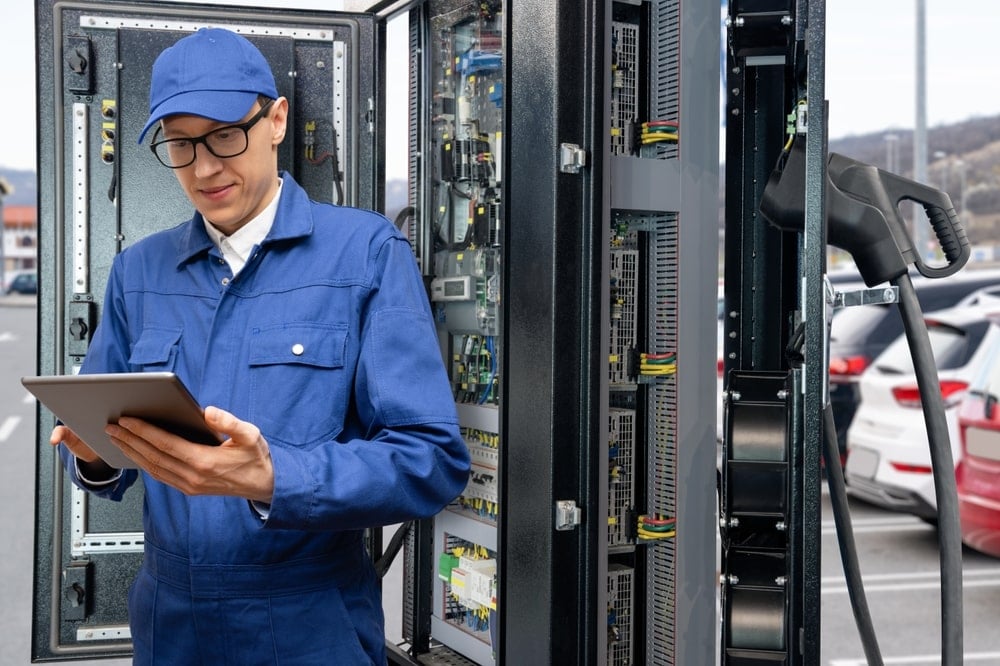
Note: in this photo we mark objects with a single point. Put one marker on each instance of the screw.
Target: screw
(782, 394)
(780, 580)
(735, 395)
(780, 526)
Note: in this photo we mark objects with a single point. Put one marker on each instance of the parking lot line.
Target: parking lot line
(7, 427)
(918, 580)
(917, 659)
(888, 519)
(916, 575)
(914, 525)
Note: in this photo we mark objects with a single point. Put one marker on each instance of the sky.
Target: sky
(870, 70)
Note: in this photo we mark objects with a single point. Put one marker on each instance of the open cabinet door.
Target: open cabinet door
(97, 190)
(551, 196)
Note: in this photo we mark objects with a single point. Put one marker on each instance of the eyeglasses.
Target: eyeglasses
(228, 141)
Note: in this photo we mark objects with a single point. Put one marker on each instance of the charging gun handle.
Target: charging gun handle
(945, 222)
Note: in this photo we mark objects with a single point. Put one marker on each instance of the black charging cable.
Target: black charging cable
(943, 468)
(845, 539)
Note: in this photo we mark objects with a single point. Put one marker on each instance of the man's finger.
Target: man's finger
(222, 421)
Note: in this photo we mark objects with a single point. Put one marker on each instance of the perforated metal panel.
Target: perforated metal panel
(662, 477)
(666, 68)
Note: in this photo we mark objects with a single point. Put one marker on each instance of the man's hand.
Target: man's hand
(239, 467)
(91, 465)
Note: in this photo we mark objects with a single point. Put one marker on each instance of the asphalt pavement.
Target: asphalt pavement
(899, 562)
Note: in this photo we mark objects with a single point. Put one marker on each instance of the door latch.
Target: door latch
(568, 515)
(572, 158)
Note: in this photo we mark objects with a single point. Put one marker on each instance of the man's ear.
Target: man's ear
(279, 120)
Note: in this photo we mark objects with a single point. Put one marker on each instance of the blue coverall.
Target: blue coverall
(325, 341)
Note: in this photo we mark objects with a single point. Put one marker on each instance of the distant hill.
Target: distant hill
(963, 159)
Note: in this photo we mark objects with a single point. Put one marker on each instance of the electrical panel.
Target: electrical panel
(462, 216)
(95, 189)
(643, 525)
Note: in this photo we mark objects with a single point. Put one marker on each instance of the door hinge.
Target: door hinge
(568, 515)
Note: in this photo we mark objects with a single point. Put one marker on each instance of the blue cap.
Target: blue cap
(213, 73)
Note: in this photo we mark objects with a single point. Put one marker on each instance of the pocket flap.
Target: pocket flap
(320, 345)
(155, 346)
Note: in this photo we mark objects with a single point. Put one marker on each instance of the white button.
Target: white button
(225, 281)
(297, 349)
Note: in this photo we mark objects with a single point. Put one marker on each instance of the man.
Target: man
(306, 331)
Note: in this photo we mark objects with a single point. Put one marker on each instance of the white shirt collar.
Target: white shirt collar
(236, 248)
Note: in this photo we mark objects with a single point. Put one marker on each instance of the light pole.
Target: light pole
(920, 129)
(960, 164)
(939, 155)
(891, 152)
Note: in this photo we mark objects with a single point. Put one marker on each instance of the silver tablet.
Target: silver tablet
(87, 403)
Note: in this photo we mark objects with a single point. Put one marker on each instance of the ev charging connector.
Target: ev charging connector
(863, 216)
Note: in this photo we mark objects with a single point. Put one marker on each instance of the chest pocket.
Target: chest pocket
(299, 383)
(156, 349)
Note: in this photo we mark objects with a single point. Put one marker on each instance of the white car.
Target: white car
(888, 455)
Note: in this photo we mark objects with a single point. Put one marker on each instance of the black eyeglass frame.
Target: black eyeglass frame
(203, 139)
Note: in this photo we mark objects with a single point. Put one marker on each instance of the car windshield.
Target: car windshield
(851, 325)
(953, 347)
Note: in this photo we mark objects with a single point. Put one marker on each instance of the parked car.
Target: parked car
(860, 333)
(23, 283)
(978, 473)
(888, 454)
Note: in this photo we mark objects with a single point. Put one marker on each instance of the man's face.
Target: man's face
(231, 191)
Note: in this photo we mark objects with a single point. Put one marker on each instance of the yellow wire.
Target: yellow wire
(653, 138)
(654, 370)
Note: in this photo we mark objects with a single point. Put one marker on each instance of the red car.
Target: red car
(978, 472)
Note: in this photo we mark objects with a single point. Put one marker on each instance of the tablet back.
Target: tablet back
(87, 403)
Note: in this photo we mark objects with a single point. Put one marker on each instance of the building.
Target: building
(20, 241)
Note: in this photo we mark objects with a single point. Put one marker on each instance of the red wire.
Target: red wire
(658, 521)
